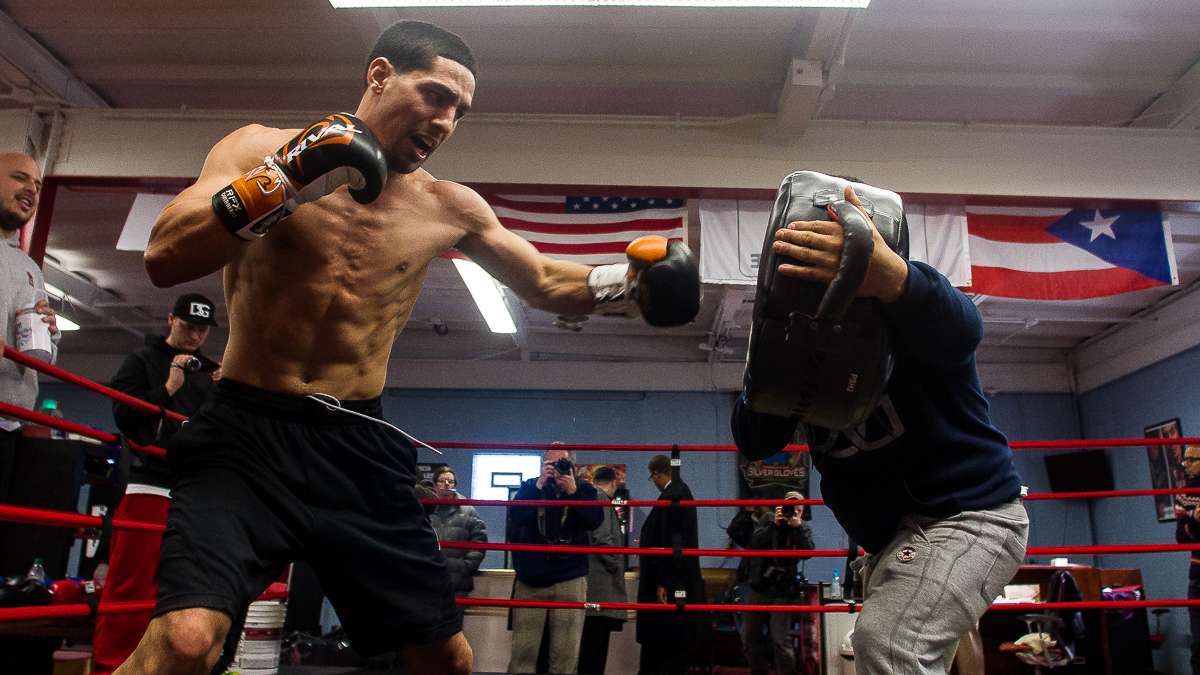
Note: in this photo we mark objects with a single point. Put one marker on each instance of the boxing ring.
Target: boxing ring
(90, 527)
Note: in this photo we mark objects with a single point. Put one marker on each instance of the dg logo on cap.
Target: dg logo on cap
(195, 308)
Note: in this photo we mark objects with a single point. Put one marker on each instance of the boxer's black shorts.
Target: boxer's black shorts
(264, 478)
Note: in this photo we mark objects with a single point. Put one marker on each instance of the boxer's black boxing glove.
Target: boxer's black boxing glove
(337, 150)
(661, 282)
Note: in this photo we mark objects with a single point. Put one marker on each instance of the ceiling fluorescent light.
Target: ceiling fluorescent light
(55, 291)
(735, 4)
(61, 321)
(487, 295)
(64, 323)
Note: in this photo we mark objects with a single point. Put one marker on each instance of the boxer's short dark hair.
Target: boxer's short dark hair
(413, 45)
(604, 474)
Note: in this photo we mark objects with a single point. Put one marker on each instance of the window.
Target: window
(492, 476)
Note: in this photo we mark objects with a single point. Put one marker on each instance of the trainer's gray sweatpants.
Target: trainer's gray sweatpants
(931, 584)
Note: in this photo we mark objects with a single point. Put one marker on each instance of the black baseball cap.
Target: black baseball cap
(195, 308)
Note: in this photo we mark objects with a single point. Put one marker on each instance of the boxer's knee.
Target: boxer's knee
(452, 656)
(192, 637)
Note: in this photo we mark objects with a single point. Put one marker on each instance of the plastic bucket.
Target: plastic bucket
(258, 647)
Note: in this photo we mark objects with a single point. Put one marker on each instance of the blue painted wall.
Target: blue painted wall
(1123, 409)
(1120, 409)
(659, 418)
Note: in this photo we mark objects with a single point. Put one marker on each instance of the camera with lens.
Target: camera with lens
(789, 512)
(191, 365)
(774, 574)
(563, 466)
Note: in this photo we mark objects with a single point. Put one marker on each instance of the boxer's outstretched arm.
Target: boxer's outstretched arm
(543, 282)
(188, 240)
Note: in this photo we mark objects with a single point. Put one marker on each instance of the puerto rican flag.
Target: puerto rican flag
(1067, 254)
(589, 230)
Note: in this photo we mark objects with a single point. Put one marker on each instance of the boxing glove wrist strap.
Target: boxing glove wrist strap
(611, 291)
(251, 205)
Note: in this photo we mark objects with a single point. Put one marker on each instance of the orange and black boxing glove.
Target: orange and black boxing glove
(337, 150)
(661, 282)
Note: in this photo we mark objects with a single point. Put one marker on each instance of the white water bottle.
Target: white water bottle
(835, 587)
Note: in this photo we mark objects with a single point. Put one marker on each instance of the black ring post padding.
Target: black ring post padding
(106, 526)
(122, 468)
(851, 556)
(677, 535)
(92, 598)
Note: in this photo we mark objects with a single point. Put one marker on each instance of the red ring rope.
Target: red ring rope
(21, 514)
(81, 610)
(1036, 496)
(68, 519)
(1087, 549)
(831, 608)
(71, 427)
(800, 447)
(75, 611)
(72, 378)
(65, 519)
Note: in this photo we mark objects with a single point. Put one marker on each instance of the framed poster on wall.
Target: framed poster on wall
(1166, 469)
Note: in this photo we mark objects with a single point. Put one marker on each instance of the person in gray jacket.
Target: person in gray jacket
(457, 523)
(605, 582)
(21, 286)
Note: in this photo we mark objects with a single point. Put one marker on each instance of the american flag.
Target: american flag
(589, 230)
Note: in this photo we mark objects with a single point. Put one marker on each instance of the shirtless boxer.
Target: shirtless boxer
(318, 282)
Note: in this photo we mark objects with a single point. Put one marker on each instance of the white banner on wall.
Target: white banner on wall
(732, 231)
(731, 239)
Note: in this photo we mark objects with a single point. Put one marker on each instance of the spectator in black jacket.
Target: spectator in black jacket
(454, 522)
(1187, 531)
(669, 639)
(551, 576)
(772, 581)
(170, 372)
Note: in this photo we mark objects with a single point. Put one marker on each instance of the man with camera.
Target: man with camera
(170, 372)
(772, 581)
(551, 576)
